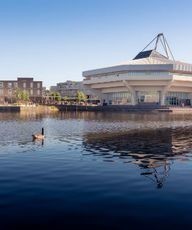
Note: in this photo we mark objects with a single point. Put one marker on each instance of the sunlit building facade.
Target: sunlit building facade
(69, 89)
(149, 78)
(8, 89)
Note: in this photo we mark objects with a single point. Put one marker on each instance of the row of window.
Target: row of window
(131, 73)
(11, 92)
(178, 98)
(181, 95)
(172, 98)
(10, 84)
(118, 95)
(118, 98)
(185, 67)
(15, 84)
(137, 73)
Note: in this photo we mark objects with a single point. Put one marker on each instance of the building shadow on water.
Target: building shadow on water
(153, 151)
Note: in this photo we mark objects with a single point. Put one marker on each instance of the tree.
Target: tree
(56, 96)
(65, 98)
(25, 96)
(18, 94)
(21, 95)
(81, 96)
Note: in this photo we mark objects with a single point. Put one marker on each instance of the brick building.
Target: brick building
(8, 89)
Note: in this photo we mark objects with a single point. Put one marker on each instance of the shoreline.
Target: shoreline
(26, 108)
(125, 108)
(83, 108)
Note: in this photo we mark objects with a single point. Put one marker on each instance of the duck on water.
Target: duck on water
(39, 136)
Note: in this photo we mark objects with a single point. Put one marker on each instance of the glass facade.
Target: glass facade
(171, 98)
(119, 98)
(178, 99)
(148, 96)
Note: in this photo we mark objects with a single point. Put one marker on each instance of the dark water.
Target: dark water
(96, 171)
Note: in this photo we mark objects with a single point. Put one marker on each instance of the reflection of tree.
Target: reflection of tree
(152, 150)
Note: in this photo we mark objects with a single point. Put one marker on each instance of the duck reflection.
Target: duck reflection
(152, 150)
(38, 142)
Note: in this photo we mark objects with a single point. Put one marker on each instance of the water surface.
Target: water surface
(96, 171)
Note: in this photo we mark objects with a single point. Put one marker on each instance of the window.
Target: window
(31, 84)
(38, 92)
(118, 98)
(24, 84)
(10, 92)
(38, 85)
(1, 92)
(31, 92)
(1, 84)
(9, 84)
(148, 96)
(178, 98)
(15, 84)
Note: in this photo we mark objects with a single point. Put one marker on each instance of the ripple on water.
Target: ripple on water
(117, 165)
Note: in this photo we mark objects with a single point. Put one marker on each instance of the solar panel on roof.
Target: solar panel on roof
(144, 54)
(149, 53)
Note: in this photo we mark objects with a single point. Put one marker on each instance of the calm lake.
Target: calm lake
(96, 171)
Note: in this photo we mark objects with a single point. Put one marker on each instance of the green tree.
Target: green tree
(81, 96)
(56, 96)
(21, 95)
(65, 98)
(25, 96)
(18, 94)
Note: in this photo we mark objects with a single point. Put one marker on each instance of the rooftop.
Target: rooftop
(147, 60)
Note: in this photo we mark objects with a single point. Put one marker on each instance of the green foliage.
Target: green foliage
(81, 96)
(25, 96)
(21, 95)
(66, 98)
(56, 96)
(18, 94)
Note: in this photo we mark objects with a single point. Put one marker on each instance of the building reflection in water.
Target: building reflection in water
(154, 150)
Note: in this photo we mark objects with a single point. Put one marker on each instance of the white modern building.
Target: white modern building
(149, 78)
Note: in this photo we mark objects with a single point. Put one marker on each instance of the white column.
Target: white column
(164, 91)
(133, 97)
(162, 96)
(132, 91)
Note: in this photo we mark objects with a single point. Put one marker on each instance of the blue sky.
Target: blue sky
(55, 40)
